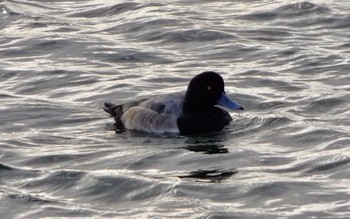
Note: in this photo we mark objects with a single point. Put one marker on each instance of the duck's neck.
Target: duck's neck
(195, 103)
(189, 109)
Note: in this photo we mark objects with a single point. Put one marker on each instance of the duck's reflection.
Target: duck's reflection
(207, 148)
(210, 143)
(216, 175)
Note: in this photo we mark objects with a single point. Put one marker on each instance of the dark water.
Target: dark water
(286, 156)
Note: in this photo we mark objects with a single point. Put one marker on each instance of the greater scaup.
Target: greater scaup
(194, 112)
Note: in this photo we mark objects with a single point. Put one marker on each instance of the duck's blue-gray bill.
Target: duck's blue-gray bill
(225, 101)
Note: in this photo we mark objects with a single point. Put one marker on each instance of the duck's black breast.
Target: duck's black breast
(213, 119)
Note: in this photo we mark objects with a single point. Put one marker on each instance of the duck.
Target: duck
(201, 109)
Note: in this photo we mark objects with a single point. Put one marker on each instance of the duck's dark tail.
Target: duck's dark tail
(116, 112)
(110, 108)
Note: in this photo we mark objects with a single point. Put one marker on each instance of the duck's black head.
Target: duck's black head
(203, 91)
(206, 90)
(199, 114)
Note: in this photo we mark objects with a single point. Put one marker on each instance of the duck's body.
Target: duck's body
(193, 112)
(155, 115)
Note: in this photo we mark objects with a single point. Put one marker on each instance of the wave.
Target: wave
(294, 10)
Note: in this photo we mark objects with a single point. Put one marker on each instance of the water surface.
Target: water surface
(286, 156)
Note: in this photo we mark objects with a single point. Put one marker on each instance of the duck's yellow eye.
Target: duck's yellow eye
(208, 87)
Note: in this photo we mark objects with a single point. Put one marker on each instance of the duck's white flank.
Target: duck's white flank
(142, 119)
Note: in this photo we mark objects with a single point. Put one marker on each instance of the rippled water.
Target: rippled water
(286, 156)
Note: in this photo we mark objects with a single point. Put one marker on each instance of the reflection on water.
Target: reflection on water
(207, 148)
(211, 175)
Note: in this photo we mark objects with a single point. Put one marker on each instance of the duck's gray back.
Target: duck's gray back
(168, 104)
